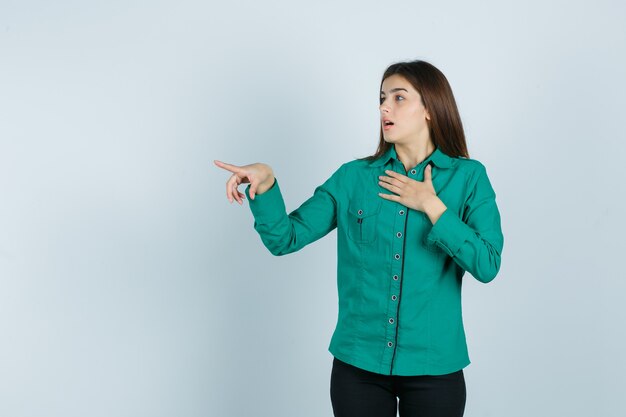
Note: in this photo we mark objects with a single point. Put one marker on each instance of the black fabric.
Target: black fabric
(356, 392)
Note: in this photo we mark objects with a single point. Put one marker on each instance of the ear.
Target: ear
(427, 116)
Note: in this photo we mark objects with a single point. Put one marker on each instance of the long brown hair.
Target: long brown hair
(445, 127)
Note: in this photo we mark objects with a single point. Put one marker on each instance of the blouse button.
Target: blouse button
(391, 321)
(395, 277)
(397, 256)
(394, 298)
(390, 344)
(401, 212)
(413, 171)
(399, 234)
(360, 212)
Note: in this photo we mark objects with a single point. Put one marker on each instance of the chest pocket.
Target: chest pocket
(362, 221)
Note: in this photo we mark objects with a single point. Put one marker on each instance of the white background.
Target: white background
(129, 286)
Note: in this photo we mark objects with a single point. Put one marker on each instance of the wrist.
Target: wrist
(265, 185)
(434, 208)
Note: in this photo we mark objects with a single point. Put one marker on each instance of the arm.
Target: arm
(475, 242)
(284, 233)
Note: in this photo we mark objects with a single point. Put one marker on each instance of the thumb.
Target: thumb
(253, 187)
(428, 174)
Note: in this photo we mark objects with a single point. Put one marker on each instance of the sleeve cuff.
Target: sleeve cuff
(449, 232)
(269, 206)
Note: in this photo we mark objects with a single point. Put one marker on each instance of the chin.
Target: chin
(391, 139)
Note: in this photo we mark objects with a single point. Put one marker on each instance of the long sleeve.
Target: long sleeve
(284, 233)
(474, 241)
(398, 275)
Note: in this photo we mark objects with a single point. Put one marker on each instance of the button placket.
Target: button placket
(395, 283)
(397, 253)
(398, 245)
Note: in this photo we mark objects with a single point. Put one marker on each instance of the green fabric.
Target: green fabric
(399, 295)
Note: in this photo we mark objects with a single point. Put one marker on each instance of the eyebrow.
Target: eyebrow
(393, 90)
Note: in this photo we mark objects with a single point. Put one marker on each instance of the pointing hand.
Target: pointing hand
(260, 176)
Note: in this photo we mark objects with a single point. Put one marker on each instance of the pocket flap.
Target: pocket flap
(362, 209)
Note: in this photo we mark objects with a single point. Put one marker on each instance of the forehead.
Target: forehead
(396, 81)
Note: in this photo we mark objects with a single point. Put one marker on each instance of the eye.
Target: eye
(382, 99)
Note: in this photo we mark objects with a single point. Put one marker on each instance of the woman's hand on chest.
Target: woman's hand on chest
(417, 195)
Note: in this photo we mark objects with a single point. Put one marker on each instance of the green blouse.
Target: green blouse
(398, 275)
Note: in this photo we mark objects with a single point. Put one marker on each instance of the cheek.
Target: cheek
(418, 113)
(414, 123)
(416, 119)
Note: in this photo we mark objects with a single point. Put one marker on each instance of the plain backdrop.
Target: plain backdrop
(130, 286)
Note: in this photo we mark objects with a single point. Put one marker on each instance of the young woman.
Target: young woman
(411, 220)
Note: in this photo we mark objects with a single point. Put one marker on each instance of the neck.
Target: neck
(411, 154)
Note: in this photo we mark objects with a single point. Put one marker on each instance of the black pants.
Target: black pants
(355, 392)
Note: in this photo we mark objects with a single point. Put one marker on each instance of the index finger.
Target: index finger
(400, 177)
(228, 167)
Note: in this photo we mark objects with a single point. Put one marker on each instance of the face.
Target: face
(401, 104)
